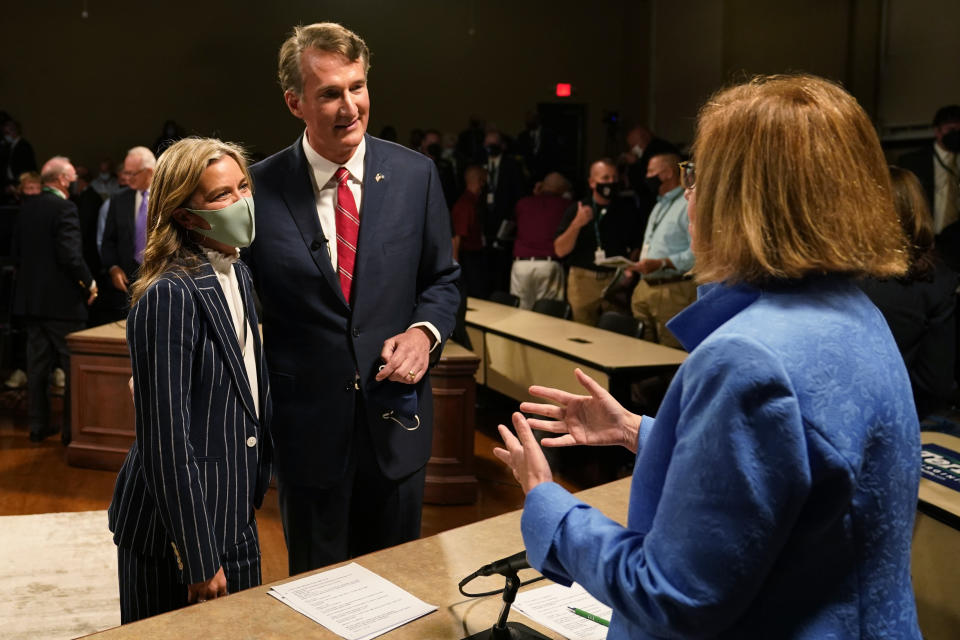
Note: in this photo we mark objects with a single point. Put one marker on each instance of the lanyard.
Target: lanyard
(597, 214)
(54, 192)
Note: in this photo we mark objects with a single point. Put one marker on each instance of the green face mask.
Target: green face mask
(233, 225)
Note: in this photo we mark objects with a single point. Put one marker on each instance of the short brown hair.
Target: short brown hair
(791, 182)
(324, 36)
(910, 203)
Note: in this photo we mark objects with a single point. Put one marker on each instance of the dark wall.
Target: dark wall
(96, 86)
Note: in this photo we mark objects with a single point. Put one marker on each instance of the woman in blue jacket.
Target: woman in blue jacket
(774, 494)
(182, 510)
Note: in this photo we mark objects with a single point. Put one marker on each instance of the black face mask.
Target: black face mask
(494, 150)
(434, 150)
(606, 190)
(951, 141)
(653, 184)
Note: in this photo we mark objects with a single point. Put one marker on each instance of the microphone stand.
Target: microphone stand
(504, 630)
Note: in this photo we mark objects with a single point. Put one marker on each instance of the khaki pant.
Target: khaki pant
(655, 304)
(585, 294)
(531, 280)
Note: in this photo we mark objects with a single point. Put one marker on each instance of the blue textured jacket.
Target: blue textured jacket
(774, 495)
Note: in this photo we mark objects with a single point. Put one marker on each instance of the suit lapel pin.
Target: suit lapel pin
(378, 177)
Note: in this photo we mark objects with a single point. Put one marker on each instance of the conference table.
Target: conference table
(429, 568)
(518, 348)
(935, 560)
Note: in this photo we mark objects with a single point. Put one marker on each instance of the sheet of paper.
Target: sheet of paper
(352, 602)
(548, 606)
(614, 261)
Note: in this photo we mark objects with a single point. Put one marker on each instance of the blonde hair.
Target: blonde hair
(177, 176)
(791, 182)
(324, 36)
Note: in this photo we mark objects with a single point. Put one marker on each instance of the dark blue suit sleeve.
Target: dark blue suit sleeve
(69, 250)
(109, 251)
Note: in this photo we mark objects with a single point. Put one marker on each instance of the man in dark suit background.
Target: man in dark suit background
(125, 230)
(16, 157)
(352, 310)
(54, 288)
(937, 169)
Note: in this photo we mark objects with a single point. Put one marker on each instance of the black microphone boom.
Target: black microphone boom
(505, 566)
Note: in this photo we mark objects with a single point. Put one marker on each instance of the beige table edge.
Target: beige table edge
(429, 568)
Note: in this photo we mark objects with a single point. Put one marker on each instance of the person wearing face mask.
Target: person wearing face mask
(16, 156)
(665, 288)
(430, 146)
(105, 183)
(598, 226)
(642, 145)
(53, 290)
(182, 510)
(125, 231)
(936, 166)
(506, 184)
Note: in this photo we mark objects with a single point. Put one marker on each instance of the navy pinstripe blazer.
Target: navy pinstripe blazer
(202, 458)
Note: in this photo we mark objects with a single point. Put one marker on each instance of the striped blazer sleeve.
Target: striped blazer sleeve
(162, 333)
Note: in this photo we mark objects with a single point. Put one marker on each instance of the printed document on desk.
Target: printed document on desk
(548, 606)
(352, 601)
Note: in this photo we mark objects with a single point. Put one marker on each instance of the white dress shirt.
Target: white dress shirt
(322, 172)
(227, 277)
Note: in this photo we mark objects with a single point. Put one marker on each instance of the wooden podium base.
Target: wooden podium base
(103, 418)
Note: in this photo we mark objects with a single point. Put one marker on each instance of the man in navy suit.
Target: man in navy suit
(353, 264)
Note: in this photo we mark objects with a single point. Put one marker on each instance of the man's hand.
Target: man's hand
(406, 356)
(119, 278)
(94, 292)
(523, 455)
(584, 215)
(212, 588)
(595, 420)
(650, 265)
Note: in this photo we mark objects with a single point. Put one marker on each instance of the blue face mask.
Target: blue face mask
(233, 225)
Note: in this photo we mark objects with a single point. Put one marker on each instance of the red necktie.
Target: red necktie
(348, 229)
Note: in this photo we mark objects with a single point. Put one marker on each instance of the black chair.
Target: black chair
(555, 308)
(503, 297)
(622, 323)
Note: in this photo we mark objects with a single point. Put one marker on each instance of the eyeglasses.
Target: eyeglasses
(688, 174)
(130, 174)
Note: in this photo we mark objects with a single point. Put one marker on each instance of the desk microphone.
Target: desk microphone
(504, 566)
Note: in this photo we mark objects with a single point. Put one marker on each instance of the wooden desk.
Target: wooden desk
(518, 348)
(429, 568)
(102, 416)
(450, 477)
(935, 559)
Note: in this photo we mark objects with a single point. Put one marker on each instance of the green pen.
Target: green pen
(589, 616)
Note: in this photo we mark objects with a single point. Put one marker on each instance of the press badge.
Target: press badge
(599, 256)
(643, 251)
(490, 197)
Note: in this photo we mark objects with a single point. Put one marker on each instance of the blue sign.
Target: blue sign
(941, 465)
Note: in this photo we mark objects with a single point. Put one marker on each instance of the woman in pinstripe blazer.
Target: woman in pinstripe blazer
(182, 510)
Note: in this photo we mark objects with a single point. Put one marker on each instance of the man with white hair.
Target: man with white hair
(54, 288)
(125, 231)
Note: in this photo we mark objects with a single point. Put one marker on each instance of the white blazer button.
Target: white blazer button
(252, 441)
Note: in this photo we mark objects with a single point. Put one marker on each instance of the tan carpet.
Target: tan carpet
(58, 576)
